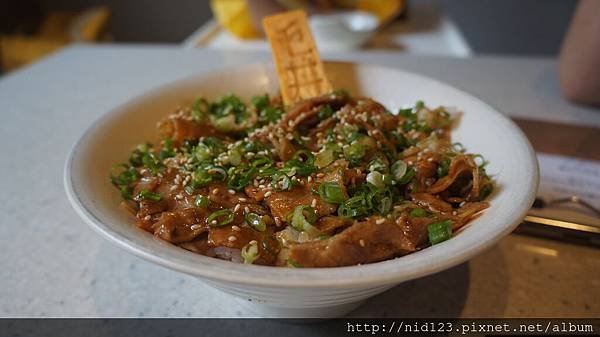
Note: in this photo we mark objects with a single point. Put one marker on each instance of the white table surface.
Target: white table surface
(53, 265)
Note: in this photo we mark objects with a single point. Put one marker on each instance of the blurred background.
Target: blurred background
(31, 29)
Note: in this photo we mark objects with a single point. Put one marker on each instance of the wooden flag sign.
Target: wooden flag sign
(299, 67)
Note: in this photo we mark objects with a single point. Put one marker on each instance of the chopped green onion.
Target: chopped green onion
(127, 176)
(199, 109)
(229, 105)
(355, 151)
(377, 165)
(250, 252)
(201, 178)
(260, 102)
(379, 200)
(167, 150)
(281, 182)
(147, 195)
(255, 221)
(126, 192)
(294, 264)
(418, 213)
(261, 162)
(235, 157)
(323, 159)
(301, 164)
(270, 114)
(325, 112)
(376, 179)
(225, 124)
(203, 152)
(439, 231)
(399, 169)
(136, 155)
(152, 162)
(408, 176)
(202, 201)
(220, 218)
(331, 192)
(303, 217)
(353, 207)
(240, 177)
(443, 168)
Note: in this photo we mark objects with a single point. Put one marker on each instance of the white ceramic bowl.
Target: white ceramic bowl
(288, 292)
(343, 31)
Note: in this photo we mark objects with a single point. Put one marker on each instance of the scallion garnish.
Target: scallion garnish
(281, 182)
(399, 169)
(331, 192)
(354, 207)
(240, 177)
(294, 264)
(408, 176)
(355, 152)
(376, 179)
(443, 167)
(147, 195)
(202, 201)
(220, 218)
(439, 231)
(250, 252)
(255, 221)
(418, 213)
(325, 112)
(303, 217)
(199, 109)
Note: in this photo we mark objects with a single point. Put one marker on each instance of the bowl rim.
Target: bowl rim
(379, 273)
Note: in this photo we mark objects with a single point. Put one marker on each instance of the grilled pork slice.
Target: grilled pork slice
(375, 239)
(283, 203)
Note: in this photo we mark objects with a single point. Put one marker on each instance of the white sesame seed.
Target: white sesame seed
(247, 209)
(454, 212)
(237, 207)
(268, 194)
(261, 186)
(147, 218)
(320, 175)
(379, 221)
(214, 222)
(235, 228)
(278, 221)
(242, 199)
(215, 191)
(309, 179)
(232, 238)
(196, 226)
(361, 242)
(232, 192)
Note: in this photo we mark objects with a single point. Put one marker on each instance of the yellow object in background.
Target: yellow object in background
(234, 15)
(57, 30)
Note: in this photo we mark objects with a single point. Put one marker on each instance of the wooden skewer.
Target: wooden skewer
(297, 61)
